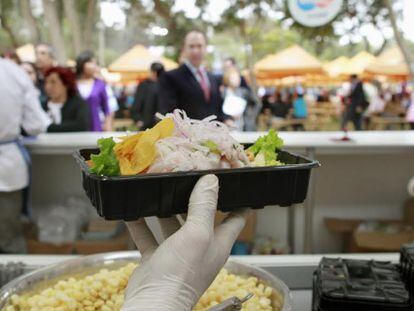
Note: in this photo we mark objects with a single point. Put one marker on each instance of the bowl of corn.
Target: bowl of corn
(97, 282)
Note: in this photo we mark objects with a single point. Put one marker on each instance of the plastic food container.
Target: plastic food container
(359, 285)
(48, 276)
(131, 197)
(407, 265)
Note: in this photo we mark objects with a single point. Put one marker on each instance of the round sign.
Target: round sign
(314, 13)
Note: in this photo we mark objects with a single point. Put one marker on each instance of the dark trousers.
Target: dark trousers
(11, 229)
(354, 117)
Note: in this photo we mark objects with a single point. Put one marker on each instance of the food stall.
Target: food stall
(134, 64)
(391, 64)
(290, 62)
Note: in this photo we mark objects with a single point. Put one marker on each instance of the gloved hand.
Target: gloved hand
(174, 275)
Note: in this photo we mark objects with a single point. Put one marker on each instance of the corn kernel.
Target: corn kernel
(104, 291)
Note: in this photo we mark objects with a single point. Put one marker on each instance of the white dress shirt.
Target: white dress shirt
(19, 107)
(55, 112)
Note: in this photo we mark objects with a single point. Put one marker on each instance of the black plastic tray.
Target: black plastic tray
(163, 195)
(359, 285)
(407, 265)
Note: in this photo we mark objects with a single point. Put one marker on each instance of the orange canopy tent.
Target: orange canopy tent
(389, 63)
(135, 63)
(337, 66)
(305, 80)
(293, 61)
(358, 64)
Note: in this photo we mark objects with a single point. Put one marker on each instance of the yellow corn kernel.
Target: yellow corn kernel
(104, 291)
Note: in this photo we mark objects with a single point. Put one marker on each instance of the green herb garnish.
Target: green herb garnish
(105, 163)
(212, 146)
(265, 149)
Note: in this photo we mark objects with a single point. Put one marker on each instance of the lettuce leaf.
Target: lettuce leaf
(105, 163)
(265, 148)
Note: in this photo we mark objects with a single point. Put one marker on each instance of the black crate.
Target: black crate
(166, 194)
(358, 285)
(407, 265)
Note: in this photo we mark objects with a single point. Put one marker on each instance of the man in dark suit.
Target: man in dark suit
(356, 104)
(191, 87)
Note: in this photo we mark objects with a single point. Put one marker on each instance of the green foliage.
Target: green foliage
(264, 25)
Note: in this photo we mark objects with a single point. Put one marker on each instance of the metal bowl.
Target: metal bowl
(42, 278)
(265, 277)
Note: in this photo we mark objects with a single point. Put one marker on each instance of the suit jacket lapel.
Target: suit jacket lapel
(193, 80)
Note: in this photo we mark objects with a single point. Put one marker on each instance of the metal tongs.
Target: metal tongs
(231, 304)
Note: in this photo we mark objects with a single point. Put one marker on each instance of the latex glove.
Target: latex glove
(174, 275)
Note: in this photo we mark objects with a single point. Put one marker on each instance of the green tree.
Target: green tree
(354, 15)
(7, 13)
(177, 23)
(400, 40)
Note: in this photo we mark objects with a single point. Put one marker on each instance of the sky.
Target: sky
(112, 15)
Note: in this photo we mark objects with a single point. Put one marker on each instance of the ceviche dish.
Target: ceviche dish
(178, 143)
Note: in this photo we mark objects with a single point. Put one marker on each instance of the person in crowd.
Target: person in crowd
(12, 55)
(267, 100)
(279, 108)
(174, 275)
(30, 69)
(67, 110)
(300, 110)
(146, 98)
(287, 99)
(265, 117)
(356, 104)
(253, 104)
(274, 109)
(410, 112)
(112, 105)
(20, 109)
(124, 102)
(322, 96)
(376, 107)
(191, 87)
(406, 100)
(251, 112)
(123, 111)
(93, 91)
(231, 64)
(237, 99)
(112, 100)
(45, 59)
